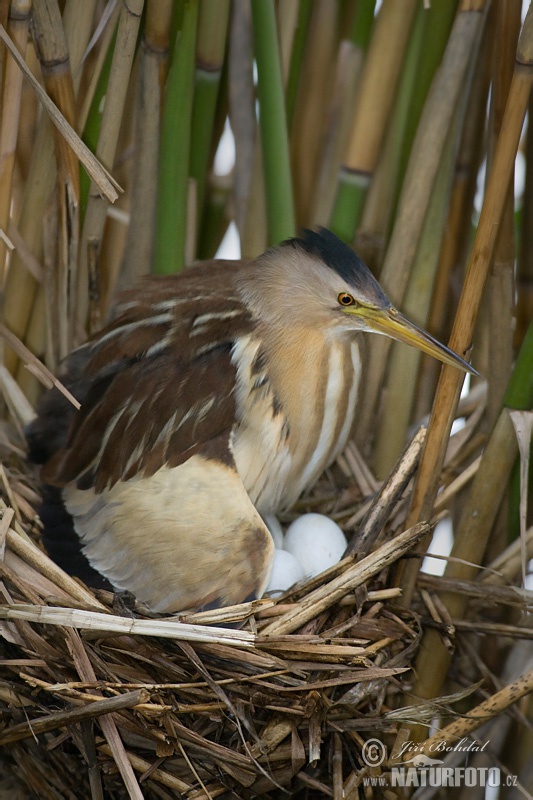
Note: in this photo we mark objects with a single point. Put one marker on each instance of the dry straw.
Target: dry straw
(371, 122)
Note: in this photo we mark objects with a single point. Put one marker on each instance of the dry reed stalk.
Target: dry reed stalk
(524, 272)
(404, 362)
(34, 366)
(456, 240)
(12, 90)
(53, 56)
(153, 66)
(507, 566)
(451, 380)
(314, 90)
(95, 215)
(494, 705)
(432, 134)
(501, 281)
(61, 719)
(471, 539)
(157, 774)
(77, 23)
(94, 621)
(40, 562)
(389, 494)
(346, 74)
(92, 65)
(103, 180)
(107, 723)
(287, 24)
(243, 121)
(21, 288)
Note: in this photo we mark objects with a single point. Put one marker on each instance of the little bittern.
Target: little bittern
(212, 399)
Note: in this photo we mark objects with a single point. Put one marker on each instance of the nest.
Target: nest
(272, 698)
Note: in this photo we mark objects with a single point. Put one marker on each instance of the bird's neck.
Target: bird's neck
(312, 389)
(311, 373)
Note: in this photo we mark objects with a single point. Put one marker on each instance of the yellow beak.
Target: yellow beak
(390, 322)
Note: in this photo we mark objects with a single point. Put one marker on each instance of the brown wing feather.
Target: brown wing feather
(154, 385)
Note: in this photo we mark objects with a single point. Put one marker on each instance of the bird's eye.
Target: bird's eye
(346, 299)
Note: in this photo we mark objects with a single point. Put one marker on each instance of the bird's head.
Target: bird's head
(318, 281)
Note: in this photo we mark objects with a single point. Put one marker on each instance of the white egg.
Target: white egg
(285, 572)
(275, 529)
(316, 541)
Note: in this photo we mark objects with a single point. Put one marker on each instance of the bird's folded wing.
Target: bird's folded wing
(155, 385)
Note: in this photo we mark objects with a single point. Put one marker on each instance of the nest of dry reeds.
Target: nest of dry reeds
(273, 698)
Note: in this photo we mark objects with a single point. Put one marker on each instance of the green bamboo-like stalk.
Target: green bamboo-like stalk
(91, 130)
(437, 22)
(378, 85)
(171, 222)
(349, 64)
(363, 20)
(97, 206)
(297, 55)
(215, 219)
(272, 120)
(210, 49)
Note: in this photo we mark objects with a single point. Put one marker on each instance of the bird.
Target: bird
(210, 400)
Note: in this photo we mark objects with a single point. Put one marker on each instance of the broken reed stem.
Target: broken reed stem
(477, 716)
(61, 719)
(388, 496)
(141, 765)
(102, 178)
(95, 621)
(30, 553)
(35, 366)
(107, 723)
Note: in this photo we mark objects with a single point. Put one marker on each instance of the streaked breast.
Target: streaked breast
(330, 421)
(295, 414)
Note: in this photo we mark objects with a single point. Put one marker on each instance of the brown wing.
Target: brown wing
(154, 385)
